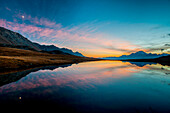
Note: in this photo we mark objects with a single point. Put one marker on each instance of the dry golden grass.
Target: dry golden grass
(12, 59)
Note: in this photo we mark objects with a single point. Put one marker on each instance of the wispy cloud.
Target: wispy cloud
(7, 8)
(81, 37)
(38, 21)
(159, 48)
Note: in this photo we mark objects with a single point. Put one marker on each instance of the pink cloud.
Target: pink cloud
(22, 28)
(82, 35)
(38, 21)
(7, 8)
(46, 32)
(74, 34)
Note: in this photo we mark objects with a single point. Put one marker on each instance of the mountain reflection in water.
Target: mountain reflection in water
(103, 86)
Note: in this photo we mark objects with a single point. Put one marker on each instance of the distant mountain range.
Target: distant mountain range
(54, 49)
(9, 38)
(137, 55)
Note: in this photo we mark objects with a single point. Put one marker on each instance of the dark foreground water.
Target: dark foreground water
(100, 86)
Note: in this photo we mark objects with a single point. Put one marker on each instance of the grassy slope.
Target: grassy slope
(17, 59)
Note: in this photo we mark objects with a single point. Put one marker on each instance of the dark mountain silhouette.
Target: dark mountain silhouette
(9, 38)
(138, 55)
(53, 49)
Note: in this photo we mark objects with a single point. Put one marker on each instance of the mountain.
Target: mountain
(138, 55)
(9, 38)
(52, 48)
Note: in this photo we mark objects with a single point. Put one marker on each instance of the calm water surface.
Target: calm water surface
(100, 86)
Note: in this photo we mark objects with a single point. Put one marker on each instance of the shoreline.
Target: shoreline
(14, 60)
(4, 71)
(14, 76)
(8, 70)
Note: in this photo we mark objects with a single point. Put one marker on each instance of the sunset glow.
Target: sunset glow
(109, 34)
(85, 56)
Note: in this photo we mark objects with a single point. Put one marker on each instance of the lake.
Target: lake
(98, 86)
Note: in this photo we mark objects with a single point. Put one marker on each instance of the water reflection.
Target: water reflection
(12, 77)
(100, 85)
(78, 74)
(141, 64)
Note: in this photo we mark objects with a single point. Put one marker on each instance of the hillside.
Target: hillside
(12, 59)
(53, 49)
(12, 39)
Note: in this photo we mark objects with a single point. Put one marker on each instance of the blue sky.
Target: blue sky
(96, 28)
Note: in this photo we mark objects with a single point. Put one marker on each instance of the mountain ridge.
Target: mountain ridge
(13, 39)
(137, 55)
(52, 48)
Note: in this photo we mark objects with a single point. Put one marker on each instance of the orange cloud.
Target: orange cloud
(77, 38)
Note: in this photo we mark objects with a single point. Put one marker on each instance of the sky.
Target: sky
(96, 28)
